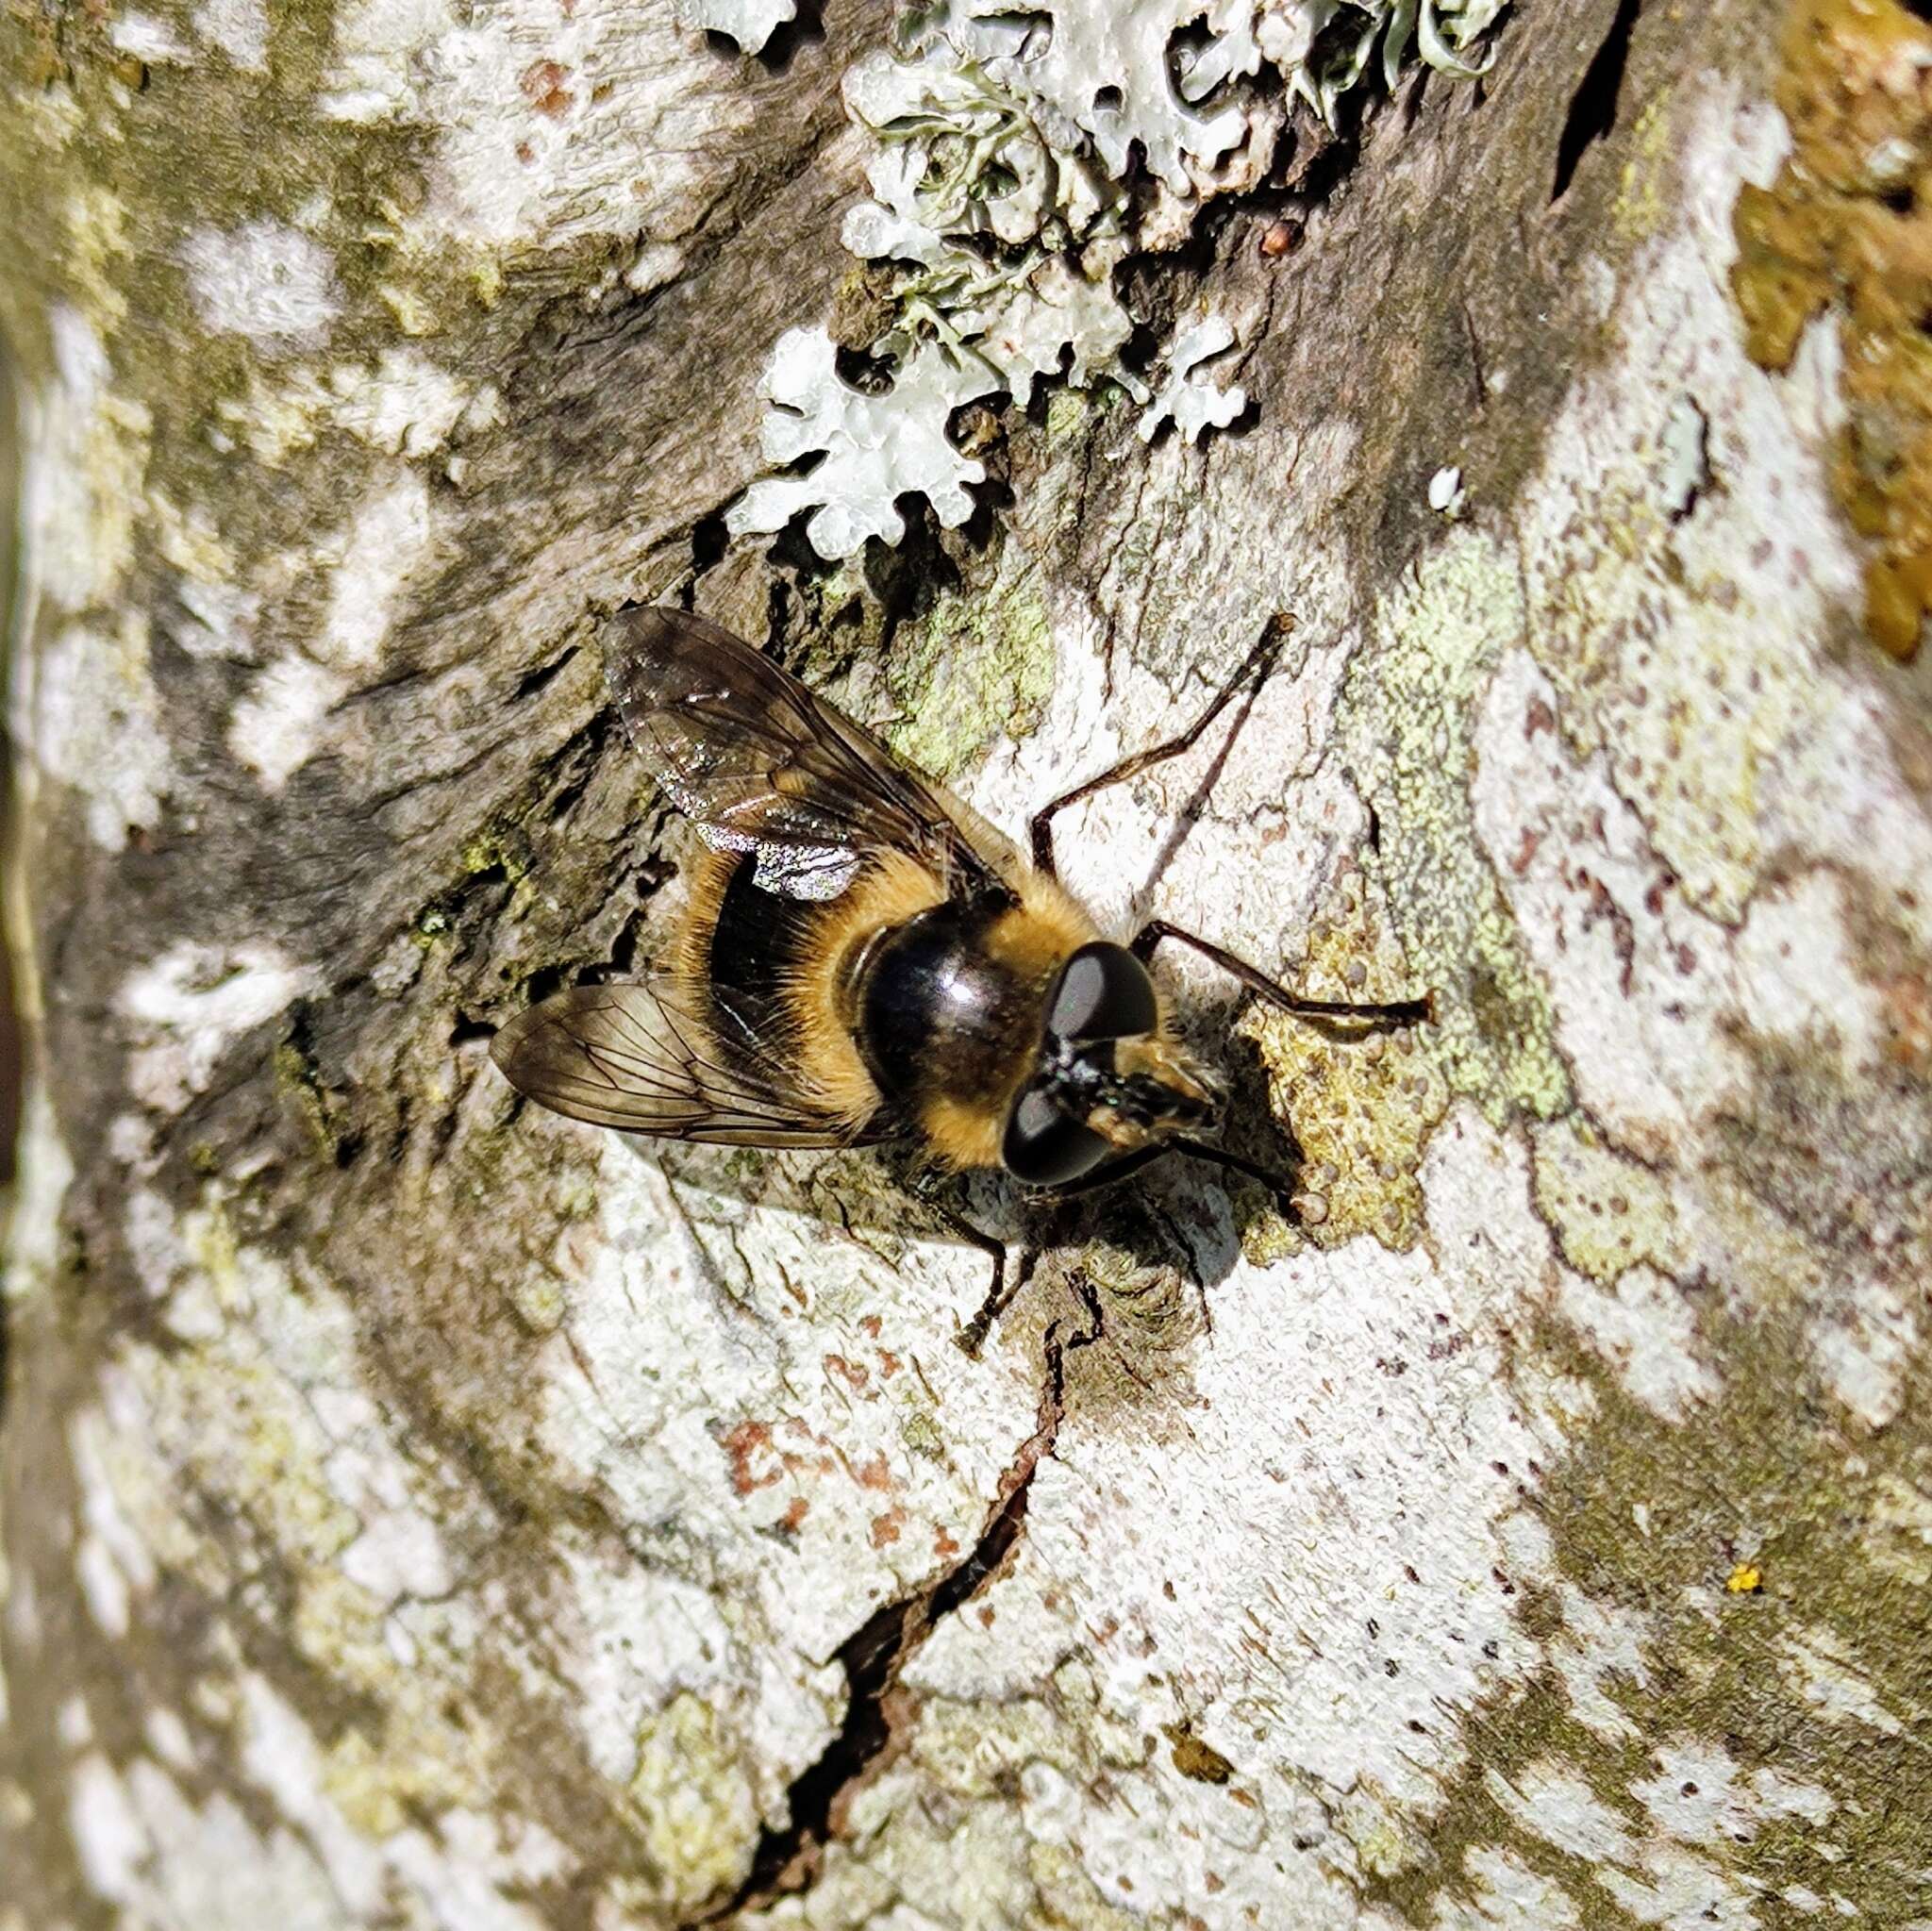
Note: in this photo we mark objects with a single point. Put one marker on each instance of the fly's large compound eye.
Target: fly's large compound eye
(1103, 994)
(1046, 1147)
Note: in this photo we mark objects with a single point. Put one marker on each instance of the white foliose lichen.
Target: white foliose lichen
(1003, 146)
(1322, 48)
(750, 23)
(874, 446)
(1191, 400)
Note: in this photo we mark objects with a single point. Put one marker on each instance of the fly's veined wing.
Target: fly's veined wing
(634, 1056)
(762, 765)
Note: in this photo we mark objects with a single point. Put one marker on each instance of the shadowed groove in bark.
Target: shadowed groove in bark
(1593, 106)
(874, 1655)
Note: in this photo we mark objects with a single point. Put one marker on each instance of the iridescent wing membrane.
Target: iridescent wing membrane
(758, 764)
(637, 1056)
(761, 767)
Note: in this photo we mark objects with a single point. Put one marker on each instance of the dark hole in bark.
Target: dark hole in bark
(531, 682)
(1593, 106)
(710, 539)
(869, 375)
(805, 29)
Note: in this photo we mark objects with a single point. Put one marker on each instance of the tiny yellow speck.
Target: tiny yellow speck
(1744, 1580)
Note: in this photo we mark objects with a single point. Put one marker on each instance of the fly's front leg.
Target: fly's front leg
(1280, 1185)
(1253, 672)
(972, 1337)
(1397, 1012)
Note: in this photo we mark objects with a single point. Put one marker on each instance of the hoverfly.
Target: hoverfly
(863, 958)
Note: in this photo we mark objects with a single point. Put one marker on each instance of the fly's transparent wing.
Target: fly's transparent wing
(635, 1057)
(762, 765)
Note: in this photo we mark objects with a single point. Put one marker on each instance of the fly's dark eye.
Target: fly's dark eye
(1103, 994)
(1046, 1147)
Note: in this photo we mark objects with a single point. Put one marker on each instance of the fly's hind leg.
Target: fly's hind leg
(1396, 1013)
(1255, 670)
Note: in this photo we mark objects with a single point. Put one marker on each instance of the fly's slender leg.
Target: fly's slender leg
(972, 1338)
(1279, 1185)
(1393, 1012)
(1253, 672)
(1110, 1171)
(1256, 666)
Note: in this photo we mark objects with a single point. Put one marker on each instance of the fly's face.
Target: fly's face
(1109, 1080)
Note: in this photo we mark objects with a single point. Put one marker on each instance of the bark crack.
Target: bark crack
(788, 1857)
(1593, 115)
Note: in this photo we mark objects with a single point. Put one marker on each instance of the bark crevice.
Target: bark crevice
(1593, 115)
(873, 1658)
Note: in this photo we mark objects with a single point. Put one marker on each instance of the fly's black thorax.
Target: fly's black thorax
(940, 1014)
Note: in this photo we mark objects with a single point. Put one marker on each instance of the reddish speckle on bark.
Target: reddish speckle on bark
(890, 1363)
(874, 1473)
(886, 1528)
(853, 1373)
(873, 1325)
(525, 153)
(741, 1443)
(542, 84)
(794, 1515)
(1604, 910)
(944, 1546)
(1908, 1019)
(1538, 716)
(1519, 863)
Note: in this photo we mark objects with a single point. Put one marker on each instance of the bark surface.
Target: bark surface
(417, 1510)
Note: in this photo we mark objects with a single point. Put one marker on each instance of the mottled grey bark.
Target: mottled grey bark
(416, 1510)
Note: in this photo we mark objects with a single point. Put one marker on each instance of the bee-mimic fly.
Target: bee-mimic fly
(863, 958)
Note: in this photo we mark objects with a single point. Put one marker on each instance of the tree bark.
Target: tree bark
(418, 1510)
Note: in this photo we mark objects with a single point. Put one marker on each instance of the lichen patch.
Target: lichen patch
(1847, 224)
(264, 280)
(186, 1006)
(1408, 720)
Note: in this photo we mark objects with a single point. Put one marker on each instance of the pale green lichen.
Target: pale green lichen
(230, 1410)
(971, 670)
(1190, 399)
(1325, 49)
(1363, 1109)
(698, 1812)
(1407, 718)
(1609, 1212)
